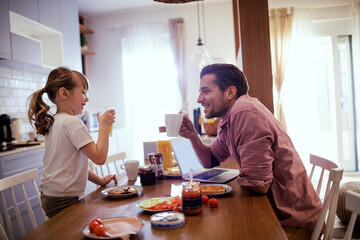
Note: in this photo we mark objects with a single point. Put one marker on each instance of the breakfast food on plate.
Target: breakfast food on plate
(173, 171)
(122, 190)
(210, 189)
(161, 204)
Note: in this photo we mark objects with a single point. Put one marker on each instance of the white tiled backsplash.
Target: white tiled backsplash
(17, 82)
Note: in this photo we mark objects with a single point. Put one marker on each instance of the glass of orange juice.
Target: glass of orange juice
(102, 110)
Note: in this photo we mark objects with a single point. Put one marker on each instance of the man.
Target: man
(250, 134)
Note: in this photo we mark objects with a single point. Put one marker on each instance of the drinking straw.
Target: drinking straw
(191, 175)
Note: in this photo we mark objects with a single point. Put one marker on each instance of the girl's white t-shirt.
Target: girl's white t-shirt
(65, 170)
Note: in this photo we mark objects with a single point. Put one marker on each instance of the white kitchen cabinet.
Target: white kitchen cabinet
(26, 8)
(46, 12)
(25, 50)
(71, 35)
(5, 42)
(17, 161)
(50, 13)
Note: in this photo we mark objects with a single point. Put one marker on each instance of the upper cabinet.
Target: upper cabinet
(71, 36)
(26, 8)
(50, 13)
(51, 24)
(5, 41)
(46, 12)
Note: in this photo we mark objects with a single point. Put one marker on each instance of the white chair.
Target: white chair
(327, 214)
(324, 164)
(2, 231)
(352, 203)
(9, 183)
(110, 161)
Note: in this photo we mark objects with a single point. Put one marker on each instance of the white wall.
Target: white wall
(104, 68)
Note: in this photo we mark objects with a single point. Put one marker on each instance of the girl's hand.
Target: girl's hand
(187, 129)
(108, 178)
(107, 118)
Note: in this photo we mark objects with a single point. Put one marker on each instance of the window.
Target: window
(150, 85)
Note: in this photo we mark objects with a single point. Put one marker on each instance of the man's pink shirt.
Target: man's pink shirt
(256, 140)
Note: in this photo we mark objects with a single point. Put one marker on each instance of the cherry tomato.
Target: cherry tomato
(99, 230)
(93, 223)
(204, 199)
(213, 202)
(176, 209)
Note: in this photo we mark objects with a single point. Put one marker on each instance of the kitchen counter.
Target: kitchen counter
(21, 149)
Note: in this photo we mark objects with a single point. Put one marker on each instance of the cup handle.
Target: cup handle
(123, 166)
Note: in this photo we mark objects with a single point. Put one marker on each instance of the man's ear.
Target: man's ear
(231, 92)
(63, 93)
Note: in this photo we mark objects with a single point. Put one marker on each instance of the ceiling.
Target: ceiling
(96, 7)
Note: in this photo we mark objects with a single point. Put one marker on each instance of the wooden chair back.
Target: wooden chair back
(9, 183)
(111, 163)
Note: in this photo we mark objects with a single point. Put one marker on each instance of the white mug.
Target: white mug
(173, 124)
(131, 167)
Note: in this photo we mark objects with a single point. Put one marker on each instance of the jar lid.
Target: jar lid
(167, 219)
(146, 168)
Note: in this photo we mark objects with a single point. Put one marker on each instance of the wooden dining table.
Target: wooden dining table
(240, 215)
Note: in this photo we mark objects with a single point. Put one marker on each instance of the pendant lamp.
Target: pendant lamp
(175, 1)
(200, 55)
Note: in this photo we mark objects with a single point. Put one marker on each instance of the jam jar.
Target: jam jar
(191, 197)
(147, 175)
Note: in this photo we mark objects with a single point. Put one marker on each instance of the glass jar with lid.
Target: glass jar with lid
(191, 197)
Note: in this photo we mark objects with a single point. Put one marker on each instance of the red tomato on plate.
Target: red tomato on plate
(99, 230)
(95, 222)
(213, 202)
(204, 199)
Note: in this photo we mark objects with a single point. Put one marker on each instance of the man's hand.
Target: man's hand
(187, 129)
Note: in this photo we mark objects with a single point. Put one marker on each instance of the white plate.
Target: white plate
(228, 189)
(106, 191)
(87, 232)
(150, 210)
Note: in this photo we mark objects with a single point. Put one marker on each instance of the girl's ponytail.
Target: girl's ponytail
(38, 113)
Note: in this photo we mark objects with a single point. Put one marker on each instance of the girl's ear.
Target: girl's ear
(63, 93)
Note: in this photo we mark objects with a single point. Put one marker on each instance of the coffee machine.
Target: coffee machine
(5, 132)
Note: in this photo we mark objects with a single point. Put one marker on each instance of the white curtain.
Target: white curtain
(356, 59)
(299, 95)
(177, 32)
(280, 21)
(150, 83)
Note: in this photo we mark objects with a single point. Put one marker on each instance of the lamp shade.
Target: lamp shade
(201, 56)
(176, 1)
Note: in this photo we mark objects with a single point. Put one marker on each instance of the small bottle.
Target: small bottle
(164, 147)
(191, 197)
(159, 166)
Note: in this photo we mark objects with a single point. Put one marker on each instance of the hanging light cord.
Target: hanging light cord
(198, 16)
(203, 16)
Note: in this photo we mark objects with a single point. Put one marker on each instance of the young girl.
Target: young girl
(68, 144)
